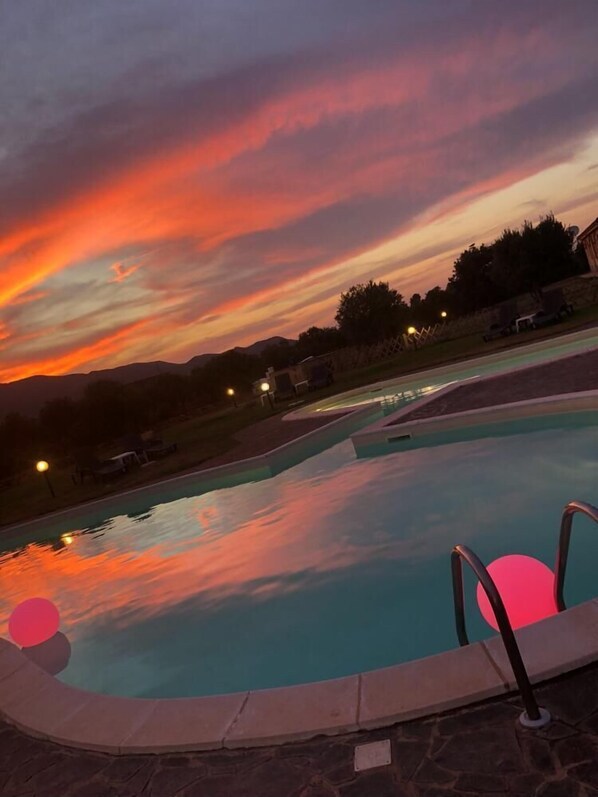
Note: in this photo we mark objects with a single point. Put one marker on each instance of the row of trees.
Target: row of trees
(518, 261)
(109, 410)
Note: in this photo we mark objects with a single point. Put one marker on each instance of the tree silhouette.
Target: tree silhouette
(370, 312)
(319, 340)
(525, 260)
(471, 286)
(58, 421)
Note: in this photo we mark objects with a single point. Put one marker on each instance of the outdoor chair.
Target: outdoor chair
(283, 387)
(148, 448)
(555, 306)
(88, 464)
(320, 376)
(554, 309)
(503, 324)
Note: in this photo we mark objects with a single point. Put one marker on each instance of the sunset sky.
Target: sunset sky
(183, 176)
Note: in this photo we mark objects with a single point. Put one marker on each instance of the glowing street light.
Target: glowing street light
(443, 314)
(230, 391)
(411, 332)
(43, 467)
(265, 388)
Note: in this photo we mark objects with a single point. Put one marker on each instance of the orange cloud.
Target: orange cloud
(147, 202)
(54, 365)
(122, 272)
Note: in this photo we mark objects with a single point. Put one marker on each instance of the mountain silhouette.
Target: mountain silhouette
(27, 396)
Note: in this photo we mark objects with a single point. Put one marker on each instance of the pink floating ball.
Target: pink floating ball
(526, 588)
(33, 621)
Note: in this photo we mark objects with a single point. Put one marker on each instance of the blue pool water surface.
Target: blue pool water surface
(332, 567)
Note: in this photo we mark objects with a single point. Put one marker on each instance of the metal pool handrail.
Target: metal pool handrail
(562, 555)
(533, 716)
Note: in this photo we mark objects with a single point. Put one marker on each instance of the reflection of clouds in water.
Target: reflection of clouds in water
(325, 520)
(100, 527)
(141, 516)
(208, 519)
(493, 488)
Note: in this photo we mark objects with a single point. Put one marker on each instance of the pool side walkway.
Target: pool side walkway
(266, 435)
(475, 751)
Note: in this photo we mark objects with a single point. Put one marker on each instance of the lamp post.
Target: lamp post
(231, 392)
(411, 332)
(265, 388)
(43, 467)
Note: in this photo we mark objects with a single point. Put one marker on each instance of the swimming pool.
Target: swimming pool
(331, 567)
(395, 393)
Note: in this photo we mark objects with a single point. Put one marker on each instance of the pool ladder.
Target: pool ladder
(533, 716)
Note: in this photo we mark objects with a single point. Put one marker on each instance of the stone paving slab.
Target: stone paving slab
(480, 750)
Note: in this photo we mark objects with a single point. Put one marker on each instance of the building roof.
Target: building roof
(588, 230)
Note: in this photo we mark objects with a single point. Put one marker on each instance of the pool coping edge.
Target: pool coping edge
(44, 707)
(393, 431)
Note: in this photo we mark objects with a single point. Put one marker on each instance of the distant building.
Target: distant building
(589, 239)
(310, 374)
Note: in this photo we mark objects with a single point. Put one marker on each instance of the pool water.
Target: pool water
(332, 567)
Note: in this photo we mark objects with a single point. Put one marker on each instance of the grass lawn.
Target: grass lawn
(198, 438)
(205, 436)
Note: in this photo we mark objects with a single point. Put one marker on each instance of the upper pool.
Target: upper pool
(333, 566)
(397, 392)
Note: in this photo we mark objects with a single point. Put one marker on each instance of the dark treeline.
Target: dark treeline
(109, 410)
(519, 261)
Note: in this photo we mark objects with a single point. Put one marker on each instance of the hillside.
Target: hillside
(27, 396)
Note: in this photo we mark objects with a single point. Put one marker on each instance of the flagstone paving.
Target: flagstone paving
(475, 751)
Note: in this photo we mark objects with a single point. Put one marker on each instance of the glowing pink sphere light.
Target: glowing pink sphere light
(33, 621)
(526, 588)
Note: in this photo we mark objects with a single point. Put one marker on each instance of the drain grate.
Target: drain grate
(374, 754)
